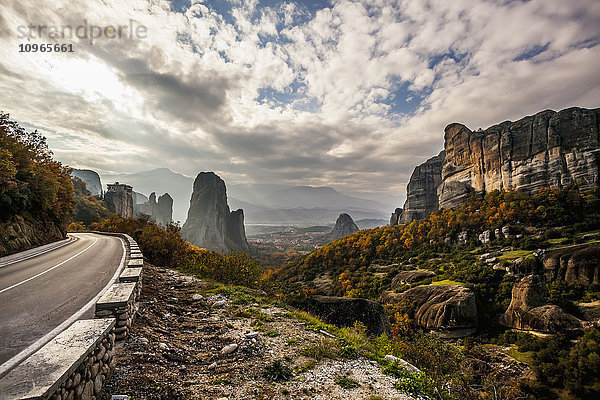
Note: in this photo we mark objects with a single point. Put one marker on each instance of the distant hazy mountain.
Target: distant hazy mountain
(319, 197)
(262, 203)
(160, 180)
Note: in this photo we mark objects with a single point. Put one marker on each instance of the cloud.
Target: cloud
(350, 94)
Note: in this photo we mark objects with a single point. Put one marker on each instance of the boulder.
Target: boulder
(528, 310)
(405, 277)
(574, 264)
(344, 311)
(438, 306)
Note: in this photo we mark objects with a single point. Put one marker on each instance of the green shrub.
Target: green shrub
(347, 383)
(277, 372)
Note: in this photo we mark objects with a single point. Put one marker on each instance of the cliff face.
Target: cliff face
(161, 211)
(421, 192)
(210, 224)
(22, 232)
(548, 149)
(91, 179)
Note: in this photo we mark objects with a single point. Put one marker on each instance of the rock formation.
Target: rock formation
(421, 192)
(344, 311)
(574, 264)
(548, 149)
(119, 199)
(343, 226)
(161, 211)
(438, 306)
(528, 310)
(209, 223)
(407, 277)
(396, 217)
(91, 179)
(22, 232)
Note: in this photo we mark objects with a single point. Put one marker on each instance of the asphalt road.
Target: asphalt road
(39, 293)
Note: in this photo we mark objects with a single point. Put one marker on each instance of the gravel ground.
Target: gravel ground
(189, 342)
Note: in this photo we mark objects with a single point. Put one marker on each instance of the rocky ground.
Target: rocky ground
(194, 340)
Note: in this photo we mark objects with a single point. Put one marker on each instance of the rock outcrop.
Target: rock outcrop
(91, 179)
(528, 310)
(407, 277)
(344, 311)
(421, 192)
(209, 223)
(22, 232)
(438, 306)
(119, 199)
(161, 211)
(548, 149)
(574, 264)
(343, 226)
(396, 217)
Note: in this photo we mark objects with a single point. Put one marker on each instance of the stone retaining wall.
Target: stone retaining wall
(77, 362)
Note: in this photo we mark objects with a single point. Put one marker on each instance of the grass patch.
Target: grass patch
(447, 282)
(307, 366)
(513, 255)
(524, 357)
(220, 381)
(347, 383)
(325, 348)
(271, 333)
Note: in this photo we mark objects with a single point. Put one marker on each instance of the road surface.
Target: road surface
(39, 293)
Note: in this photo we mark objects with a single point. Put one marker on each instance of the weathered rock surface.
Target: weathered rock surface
(528, 310)
(421, 192)
(161, 211)
(343, 226)
(548, 149)
(20, 233)
(396, 217)
(439, 306)
(210, 224)
(91, 179)
(404, 277)
(344, 311)
(119, 199)
(574, 264)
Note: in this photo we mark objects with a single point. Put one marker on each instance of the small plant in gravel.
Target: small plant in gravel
(347, 383)
(324, 348)
(220, 381)
(277, 372)
(412, 383)
(292, 342)
(307, 366)
(271, 333)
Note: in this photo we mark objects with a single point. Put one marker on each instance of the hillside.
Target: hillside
(36, 193)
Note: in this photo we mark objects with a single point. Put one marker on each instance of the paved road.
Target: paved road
(39, 293)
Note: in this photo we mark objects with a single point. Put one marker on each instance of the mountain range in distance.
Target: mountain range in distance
(264, 203)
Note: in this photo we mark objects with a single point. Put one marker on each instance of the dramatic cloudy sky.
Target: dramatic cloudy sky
(350, 94)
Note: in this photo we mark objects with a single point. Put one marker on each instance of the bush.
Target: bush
(277, 372)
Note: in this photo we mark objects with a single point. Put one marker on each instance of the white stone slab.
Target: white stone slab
(46, 369)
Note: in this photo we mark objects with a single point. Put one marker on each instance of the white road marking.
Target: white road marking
(49, 269)
(16, 360)
(35, 254)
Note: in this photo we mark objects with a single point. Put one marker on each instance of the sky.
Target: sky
(341, 93)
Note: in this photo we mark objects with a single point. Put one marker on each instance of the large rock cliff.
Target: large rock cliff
(421, 192)
(210, 224)
(22, 232)
(343, 226)
(161, 211)
(91, 179)
(548, 149)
